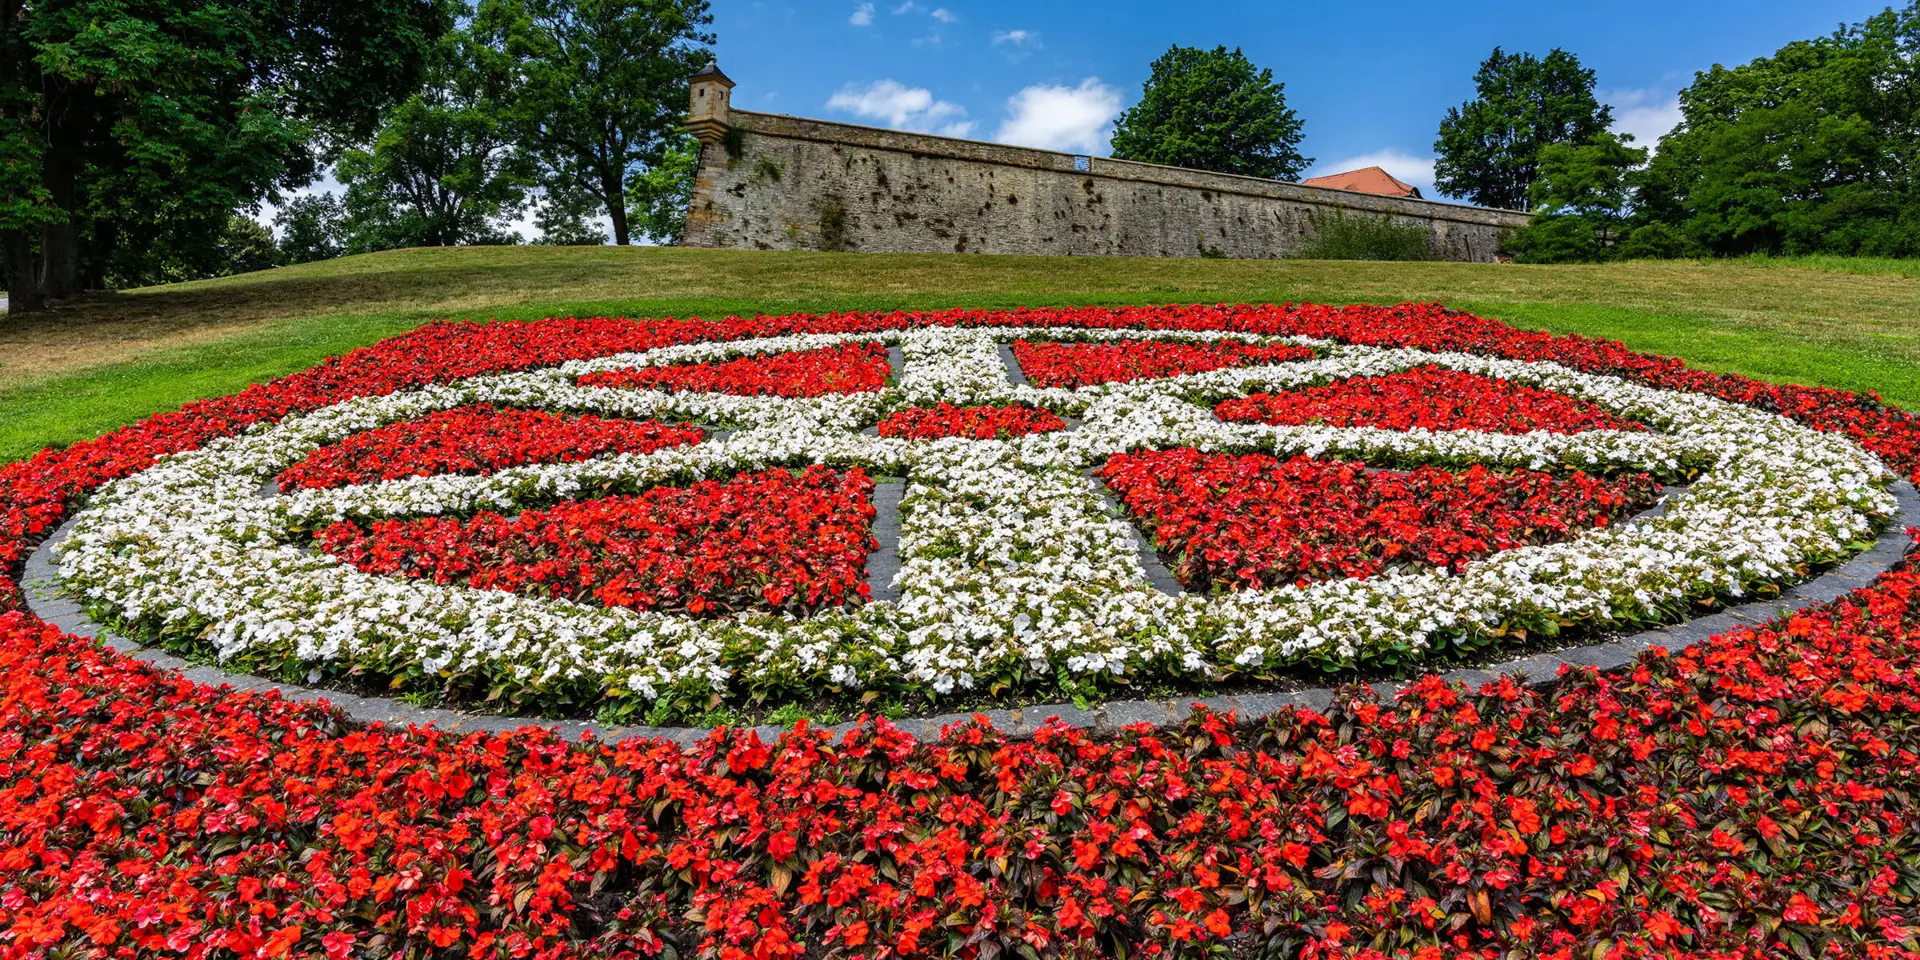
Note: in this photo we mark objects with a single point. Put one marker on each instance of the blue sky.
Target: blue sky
(1371, 81)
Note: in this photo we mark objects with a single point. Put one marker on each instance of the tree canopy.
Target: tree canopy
(445, 168)
(1213, 110)
(596, 90)
(1489, 147)
(132, 130)
(1812, 149)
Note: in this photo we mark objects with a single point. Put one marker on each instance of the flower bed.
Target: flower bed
(849, 368)
(973, 423)
(1744, 798)
(1747, 797)
(774, 540)
(1240, 522)
(476, 440)
(1049, 364)
(1426, 398)
(1014, 575)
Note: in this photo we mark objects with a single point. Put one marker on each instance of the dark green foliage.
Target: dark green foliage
(1581, 198)
(1489, 147)
(596, 91)
(312, 227)
(565, 215)
(658, 197)
(246, 245)
(1212, 110)
(132, 130)
(1810, 150)
(1567, 238)
(445, 168)
(1657, 241)
(1340, 236)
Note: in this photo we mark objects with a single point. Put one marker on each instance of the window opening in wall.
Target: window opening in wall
(1082, 164)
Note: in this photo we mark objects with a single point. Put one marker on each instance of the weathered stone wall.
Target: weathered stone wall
(784, 183)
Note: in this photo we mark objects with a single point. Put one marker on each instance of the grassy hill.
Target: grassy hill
(104, 361)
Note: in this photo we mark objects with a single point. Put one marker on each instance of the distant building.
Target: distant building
(1366, 180)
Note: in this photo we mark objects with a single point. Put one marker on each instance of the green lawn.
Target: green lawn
(109, 360)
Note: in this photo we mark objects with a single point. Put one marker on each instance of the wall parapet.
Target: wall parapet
(934, 145)
(775, 182)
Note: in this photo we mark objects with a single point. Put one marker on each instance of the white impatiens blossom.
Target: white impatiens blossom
(1011, 558)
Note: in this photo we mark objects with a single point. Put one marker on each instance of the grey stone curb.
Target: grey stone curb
(884, 562)
(1012, 363)
(41, 576)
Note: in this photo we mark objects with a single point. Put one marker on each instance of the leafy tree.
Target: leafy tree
(661, 194)
(312, 227)
(597, 89)
(1213, 110)
(1813, 149)
(1557, 240)
(1490, 146)
(1582, 187)
(246, 245)
(445, 168)
(565, 217)
(127, 127)
(1657, 241)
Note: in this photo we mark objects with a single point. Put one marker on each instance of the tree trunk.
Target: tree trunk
(106, 238)
(60, 241)
(60, 260)
(23, 274)
(614, 193)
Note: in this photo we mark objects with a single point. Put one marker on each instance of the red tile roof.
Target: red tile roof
(1366, 180)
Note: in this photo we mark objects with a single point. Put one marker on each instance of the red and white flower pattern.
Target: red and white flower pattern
(1012, 561)
(1746, 797)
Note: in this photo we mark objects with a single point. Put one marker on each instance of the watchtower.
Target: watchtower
(707, 114)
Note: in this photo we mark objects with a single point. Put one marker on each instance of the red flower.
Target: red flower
(1087, 364)
(1237, 522)
(476, 440)
(977, 423)
(848, 368)
(1426, 398)
(776, 539)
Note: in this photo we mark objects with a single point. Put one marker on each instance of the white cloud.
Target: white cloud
(907, 7)
(902, 108)
(1647, 114)
(1018, 38)
(1053, 117)
(944, 15)
(862, 15)
(1411, 168)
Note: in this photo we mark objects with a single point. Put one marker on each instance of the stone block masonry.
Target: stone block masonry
(770, 182)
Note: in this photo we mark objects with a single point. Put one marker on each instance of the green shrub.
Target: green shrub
(1340, 236)
(1658, 241)
(1562, 239)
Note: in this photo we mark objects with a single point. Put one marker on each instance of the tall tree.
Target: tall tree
(1580, 200)
(597, 88)
(1213, 110)
(1813, 149)
(124, 122)
(312, 227)
(1490, 146)
(445, 168)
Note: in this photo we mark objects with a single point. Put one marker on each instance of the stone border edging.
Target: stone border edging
(40, 578)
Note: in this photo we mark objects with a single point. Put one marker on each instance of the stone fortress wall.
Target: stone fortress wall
(771, 182)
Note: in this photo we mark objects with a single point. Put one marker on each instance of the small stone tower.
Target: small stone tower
(707, 114)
